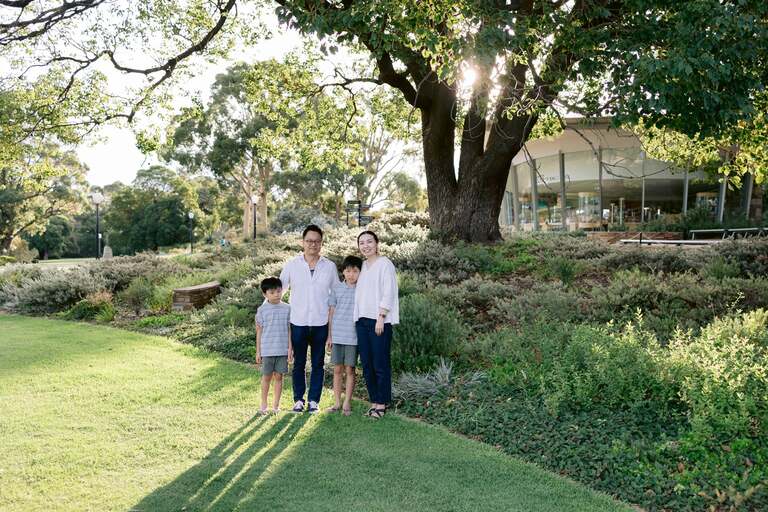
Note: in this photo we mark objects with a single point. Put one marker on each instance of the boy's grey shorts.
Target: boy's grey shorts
(272, 364)
(344, 354)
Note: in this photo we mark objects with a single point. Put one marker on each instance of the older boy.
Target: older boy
(273, 341)
(342, 339)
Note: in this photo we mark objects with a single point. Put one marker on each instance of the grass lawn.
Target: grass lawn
(93, 418)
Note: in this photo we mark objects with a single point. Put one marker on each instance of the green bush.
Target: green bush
(96, 306)
(649, 259)
(160, 321)
(723, 376)
(750, 255)
(720, 268)
(474, 298)
(119, 272)
(4, 260)
(427, 332)
(433, 259)
(137, 295)
(541, 301)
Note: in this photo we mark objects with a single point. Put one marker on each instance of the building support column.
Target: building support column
(721, 199)
(686, 179)
(515, 199)
(534, 195)
(562, 191)
(749, 183)
(600, 186)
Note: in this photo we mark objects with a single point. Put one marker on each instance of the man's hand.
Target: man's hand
(328, 344)
(290, 355)
(258, 359)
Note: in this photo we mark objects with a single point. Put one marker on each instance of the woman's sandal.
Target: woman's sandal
(377, 414)
(333, 409)
(346, 412)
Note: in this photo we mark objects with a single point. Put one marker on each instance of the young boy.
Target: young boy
(342, 340)
(273, 341)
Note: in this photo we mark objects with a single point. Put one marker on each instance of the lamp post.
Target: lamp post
(191, 217)
(254, 202)
(97, 198)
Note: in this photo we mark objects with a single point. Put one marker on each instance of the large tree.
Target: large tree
(692, 65)
(43, 182)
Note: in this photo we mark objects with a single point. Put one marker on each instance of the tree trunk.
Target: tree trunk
(467, 208)
(338, 208)
(5, 244)
(265, 173)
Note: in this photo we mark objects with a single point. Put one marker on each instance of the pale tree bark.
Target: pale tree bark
(265, 174)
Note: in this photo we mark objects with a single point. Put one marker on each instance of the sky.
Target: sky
(113, 155)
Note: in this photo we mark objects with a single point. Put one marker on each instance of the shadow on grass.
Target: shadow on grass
(229, 472)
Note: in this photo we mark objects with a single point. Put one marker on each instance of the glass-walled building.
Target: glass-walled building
(603, 178)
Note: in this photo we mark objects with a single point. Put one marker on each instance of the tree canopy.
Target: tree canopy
(482, 71)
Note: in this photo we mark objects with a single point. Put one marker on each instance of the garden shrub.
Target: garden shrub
(542, 301)
(649, 259)
(723, 375)
(427, 332)
(137, 295)
(409, 283)
(566, 245)
(5, 260)
(96, 306)
(53, 291)
(474, 298)
(160, 321)
(751, 255)
(119, 272)
(431, 258)
(601, 368)
(720, 268)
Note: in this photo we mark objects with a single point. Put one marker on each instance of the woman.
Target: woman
(376, 311)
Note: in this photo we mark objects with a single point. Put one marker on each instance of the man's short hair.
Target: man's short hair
(312, 227)
(271, 283)
(352, 261)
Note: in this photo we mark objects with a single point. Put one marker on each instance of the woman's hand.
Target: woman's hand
(379, 329)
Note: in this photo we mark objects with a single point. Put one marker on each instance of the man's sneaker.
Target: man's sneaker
(298, 406)
(313, 407)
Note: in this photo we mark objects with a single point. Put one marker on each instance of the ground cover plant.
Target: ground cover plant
(573, 354)
(96, 418)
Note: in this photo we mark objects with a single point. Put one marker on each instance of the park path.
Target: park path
(96, 418)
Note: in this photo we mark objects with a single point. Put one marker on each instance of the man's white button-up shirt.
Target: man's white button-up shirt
(309, 291)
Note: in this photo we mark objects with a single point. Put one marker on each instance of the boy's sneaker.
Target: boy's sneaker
(313, 407)
(298, 406)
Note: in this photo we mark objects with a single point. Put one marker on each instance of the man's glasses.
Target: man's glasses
(312, 242)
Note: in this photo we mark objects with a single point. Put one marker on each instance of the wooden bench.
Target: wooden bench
(194, 297)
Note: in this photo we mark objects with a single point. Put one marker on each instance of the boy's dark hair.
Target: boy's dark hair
(312, 227)
(271, 283)
(352, 261)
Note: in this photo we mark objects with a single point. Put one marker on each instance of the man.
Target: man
(310, 278)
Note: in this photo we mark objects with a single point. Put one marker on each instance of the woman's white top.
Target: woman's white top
(309, 290)
(377, 288)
